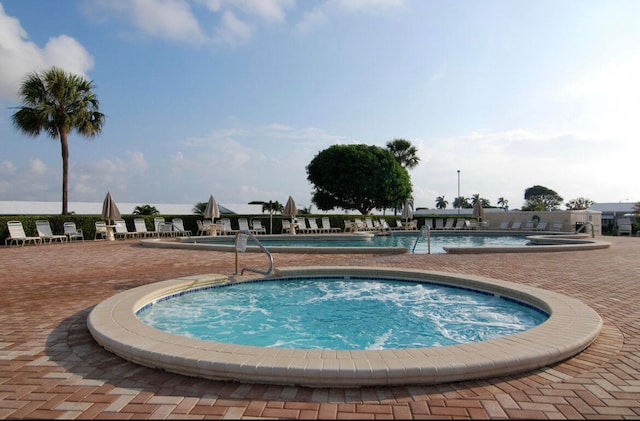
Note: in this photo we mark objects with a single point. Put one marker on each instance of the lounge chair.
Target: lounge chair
(45, 233)
(286, 226)
(17, 235)
(243, 225)
(72, 232)
(226, 227)
(101, 230)
(368, 223)
(164, 229)
(178, 227)
(122, 232)
(256, 224)
(360, 226)
(398, 226)
(624, 226)
(301, 225)
(350, 226)
(449, 224)
(439, 224)
(529, 225)
(542, 226)
(556, 226)
(141, 228)
(313, 226)
(429, 221)
(504, 225)
(326, 225)
(459, 224)
(384, 225)
(516, 225)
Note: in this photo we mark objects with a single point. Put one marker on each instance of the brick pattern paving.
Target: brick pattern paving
(50, 367)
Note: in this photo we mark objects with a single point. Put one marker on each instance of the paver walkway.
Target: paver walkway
(50, 367)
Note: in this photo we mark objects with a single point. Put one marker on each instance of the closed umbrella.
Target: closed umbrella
(290, 210)
(406, 212)
(478, 210)
(110, 210)
(212, 211)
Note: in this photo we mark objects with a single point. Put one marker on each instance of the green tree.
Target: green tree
(579, 203)
(146, 210)
(541, 198)
(57, 103)
(502, 202)
(441, 203)
(404, 152)
(462, 203)
(199, 208)
(485, 202)
(359, 177)
(271, 207)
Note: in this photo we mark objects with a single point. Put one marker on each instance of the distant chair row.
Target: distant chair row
(531, 226)
(223, 227)
(18, 236)
(309, 226)
(174, 228)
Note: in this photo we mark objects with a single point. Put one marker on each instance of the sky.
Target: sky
(234, 98)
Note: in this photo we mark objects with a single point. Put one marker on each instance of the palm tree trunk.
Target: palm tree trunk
(65, 170)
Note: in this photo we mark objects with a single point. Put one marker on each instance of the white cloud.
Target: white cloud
(232, 30)
(270, 11)
(319, 15)
(37, 167)
(19, 56)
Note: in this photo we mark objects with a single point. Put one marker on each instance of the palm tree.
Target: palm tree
(58, 103)
(502, 202)
(146, 210)
(441, 203)
(271, 207)
(404, 152)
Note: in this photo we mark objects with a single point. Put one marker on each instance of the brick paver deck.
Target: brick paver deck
(50, 367)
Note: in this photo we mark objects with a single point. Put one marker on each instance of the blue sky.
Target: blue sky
(235, 98)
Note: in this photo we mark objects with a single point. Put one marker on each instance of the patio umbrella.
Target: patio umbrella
(290, 209)
(406, 211)
(478, 210)
(212, 211)
(110, 210)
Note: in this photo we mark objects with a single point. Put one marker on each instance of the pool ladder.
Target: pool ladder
(241, 245)
(425, 233)
(584, 227)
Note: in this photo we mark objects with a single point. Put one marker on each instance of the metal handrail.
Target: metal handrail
(425, 232)
(583, 227)
(262, 247)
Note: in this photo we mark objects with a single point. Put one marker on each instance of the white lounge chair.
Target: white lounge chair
(301, 225)
(226, 226)
(18, 236)
(504, 225)
(164, 229)
(122, 232)
(101, 230)
(313, 226)
(529, 225)
(439, 224)
(516, 225)
(624, 226)
(556, 226)
(72, 232)
(256, 224)
(542, 226)
(46, 234)
(141, 228)
(449, 224)
(459, 224)
(326, 225)
(178, 227)
(243, 225)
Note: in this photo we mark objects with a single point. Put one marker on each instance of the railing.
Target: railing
(425, 233)
(583, 227)
(241, 246)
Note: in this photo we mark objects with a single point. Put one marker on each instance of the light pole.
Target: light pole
(459, 204)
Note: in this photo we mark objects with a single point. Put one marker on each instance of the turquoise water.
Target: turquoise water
(438, 241)
(341, 314)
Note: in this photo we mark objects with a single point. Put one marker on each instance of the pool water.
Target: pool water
(438, 242)
(341, 314)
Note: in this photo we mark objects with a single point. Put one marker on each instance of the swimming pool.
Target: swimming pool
(570, 328)
(401, 242)
(341, 313)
